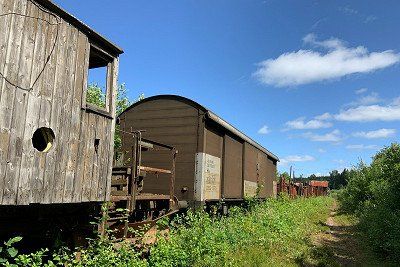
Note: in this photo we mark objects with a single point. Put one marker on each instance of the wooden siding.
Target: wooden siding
(270, 178)
(262, 172)
(232, 168)
(72, 170)
(214, 142)
(250, 163)
(184, 126)
(171, 122)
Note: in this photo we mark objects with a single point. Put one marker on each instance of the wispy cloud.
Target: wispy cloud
(361, 91)
(321, 150)
(361, 147)
(264, 130)
(372, 98)
(295, 158)
(301, 124)
(308, 66)
(323, 117)
(381, 133)
(355, 13)
(334, 136)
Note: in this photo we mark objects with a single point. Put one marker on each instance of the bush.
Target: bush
(270, 233)
(373, 194)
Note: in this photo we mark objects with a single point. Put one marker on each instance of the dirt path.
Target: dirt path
(340, 245)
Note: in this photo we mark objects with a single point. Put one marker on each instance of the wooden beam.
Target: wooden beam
(155, 170)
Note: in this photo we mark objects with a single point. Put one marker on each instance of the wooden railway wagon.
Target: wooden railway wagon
(216, 162)
(55, 148)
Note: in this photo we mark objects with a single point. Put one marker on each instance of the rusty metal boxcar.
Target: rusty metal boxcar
(215, 160)
(54, 147)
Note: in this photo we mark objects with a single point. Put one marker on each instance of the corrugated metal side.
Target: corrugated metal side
(232, 168)
(171, 122)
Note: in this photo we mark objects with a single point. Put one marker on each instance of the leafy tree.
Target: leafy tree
(373, 194)
(96, 96)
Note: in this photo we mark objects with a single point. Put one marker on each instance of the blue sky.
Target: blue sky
(315, 82)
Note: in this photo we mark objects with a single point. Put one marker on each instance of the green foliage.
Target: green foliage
(373, 195)
(273, 228)
(96, 96)
(269, 233)
(336, 179)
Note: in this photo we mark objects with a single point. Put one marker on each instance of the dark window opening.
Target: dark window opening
(98, 84)
(43, 139)
(96, 145)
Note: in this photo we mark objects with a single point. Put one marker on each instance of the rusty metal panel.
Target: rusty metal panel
(319, 183)
(232, 168)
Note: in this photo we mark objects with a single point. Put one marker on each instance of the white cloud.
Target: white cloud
(307, 66)
(361, 147)
(333, 136)
(301, 124)
(372, 98)
(381, 133)
(396, 101)
(370, 113)
(321, 150)
(264, 130)
(295, 158)
(322, 117)
(361, 91)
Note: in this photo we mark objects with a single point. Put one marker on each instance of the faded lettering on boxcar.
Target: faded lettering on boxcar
(208, 177)
(250, 188)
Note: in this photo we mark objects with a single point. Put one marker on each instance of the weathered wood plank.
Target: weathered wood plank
(49, 182)
(46, 94)
(94, 183)
(101, 191)
(75, 117)
(80, 167)
(64, 106)
(6, 33)
(7, 105)
(33, 104)
(113, 93)
(88, 158)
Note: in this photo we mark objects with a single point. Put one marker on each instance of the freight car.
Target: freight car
(216, 162)
(56, 149)
(305, 189)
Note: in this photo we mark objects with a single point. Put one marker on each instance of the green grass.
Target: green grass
(272, 233)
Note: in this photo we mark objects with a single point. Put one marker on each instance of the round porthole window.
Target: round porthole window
(43, 139)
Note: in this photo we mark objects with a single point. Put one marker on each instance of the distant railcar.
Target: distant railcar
(216, 162)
